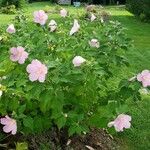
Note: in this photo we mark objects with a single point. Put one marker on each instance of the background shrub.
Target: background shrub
(38, 0)
(140, 8)
(17, 3)
(11, 9)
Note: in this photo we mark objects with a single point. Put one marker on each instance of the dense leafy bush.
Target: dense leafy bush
(11, 9)
(17, 3)
(38, 0)
(72, 95)
(140, 8)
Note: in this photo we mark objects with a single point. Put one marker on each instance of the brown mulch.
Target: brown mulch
(96, 139)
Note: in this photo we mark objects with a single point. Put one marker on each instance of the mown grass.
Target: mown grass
(139, 136)
(139, 32)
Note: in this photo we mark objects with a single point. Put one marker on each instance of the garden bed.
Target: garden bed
(96, 139)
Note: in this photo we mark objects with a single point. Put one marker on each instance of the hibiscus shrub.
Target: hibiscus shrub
(57, 74)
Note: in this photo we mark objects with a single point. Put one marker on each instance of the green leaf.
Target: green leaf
(21, 82)
(41, 123)
(122, 109)
(112, 105)
(21, 109)
(123, 83)
(61, 122)
(75, 129)
(112, 130)
(104, 111)
(97, 121)
(75, 116)
(56, 113)
(28, 123)
(7, 66)
(126, 92)
(38, 124)
(35, 92)
(45, 100)
(13, 104)
(58, 101)
(22, 146)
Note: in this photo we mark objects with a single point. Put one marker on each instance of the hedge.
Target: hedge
(17, 3)
(140, 8)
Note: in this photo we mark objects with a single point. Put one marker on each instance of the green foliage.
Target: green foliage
(140, 8)
(71, 97)
(139, 32)
(140, 125)
(11, 9)
(40, 0)
(22, 146)
(17, 3)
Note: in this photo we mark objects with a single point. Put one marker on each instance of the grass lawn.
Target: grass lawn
(137, 137)
(139, 32)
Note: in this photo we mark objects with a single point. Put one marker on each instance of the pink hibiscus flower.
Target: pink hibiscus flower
(75, 27)
(40, 17)
(122, 121)
(78, 60)
(63, 12)
(93, 17)
(94, 43)
(52, 25)
(144, 77)
(10, 125)
(1, 92)
(18, 54)
(11, 29)
(37, 71)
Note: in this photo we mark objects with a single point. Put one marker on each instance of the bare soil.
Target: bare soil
(96, 139)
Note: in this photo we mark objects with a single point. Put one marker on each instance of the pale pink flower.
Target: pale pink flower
(75, 27)
(40, 17)
(10, 125)
(144, 91)
(18, 54)
(78, 60)
(37, 71)
(94, 43)
(1, 92)
(132, 79)
(102, 20)
(121, 122)
(11, 29)
(90, 8)
(144, 77)
(52, 25)
(63, 12)
(93, 17)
